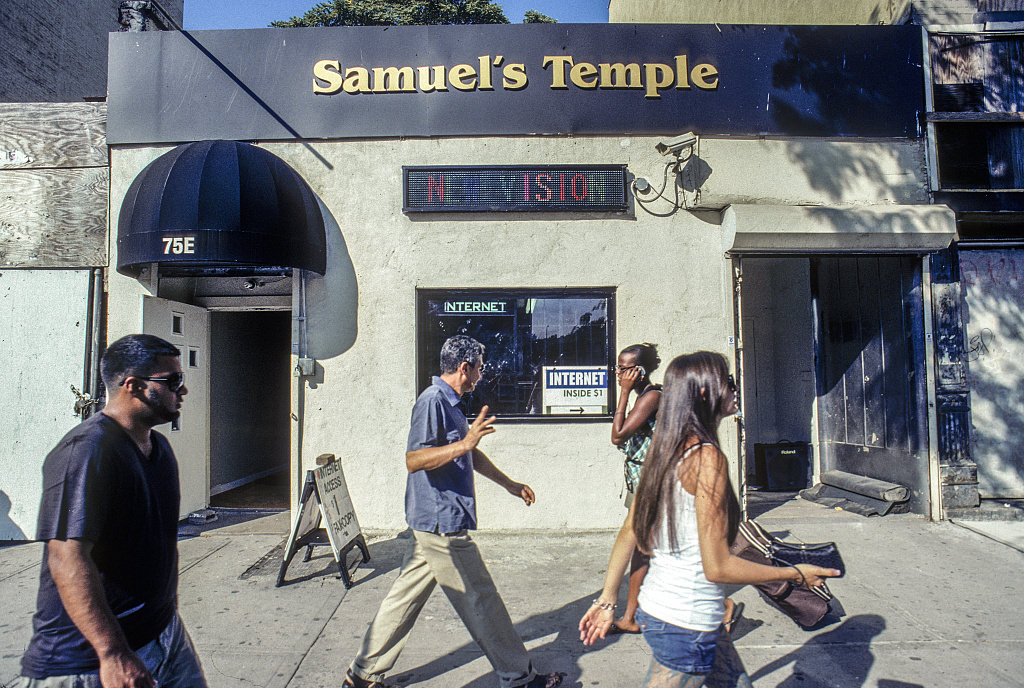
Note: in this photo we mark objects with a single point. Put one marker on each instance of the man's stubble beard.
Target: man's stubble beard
(160, 413)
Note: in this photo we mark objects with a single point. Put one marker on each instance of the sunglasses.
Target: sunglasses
(622, 369)
(174, 381)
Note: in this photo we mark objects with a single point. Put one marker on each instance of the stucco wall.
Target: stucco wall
(45, 351)
(813, 172)
(673, 287)
(758, 11)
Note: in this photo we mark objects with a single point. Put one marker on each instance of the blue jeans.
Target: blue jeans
(171, 658)
(691, 652)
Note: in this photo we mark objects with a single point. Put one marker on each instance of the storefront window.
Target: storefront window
(548, 353)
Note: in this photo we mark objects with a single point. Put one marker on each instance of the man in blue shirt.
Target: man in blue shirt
(440, 507)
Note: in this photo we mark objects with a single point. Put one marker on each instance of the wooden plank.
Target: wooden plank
(54, 218)
(957, 59)
(1000, 5)
(851, 346)
(1003, 87)
(34, 135)
(875, 398)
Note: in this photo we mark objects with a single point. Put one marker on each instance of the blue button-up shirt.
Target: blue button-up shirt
(442, 500)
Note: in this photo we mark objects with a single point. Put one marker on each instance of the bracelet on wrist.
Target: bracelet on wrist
(607, 606)
(803, 581)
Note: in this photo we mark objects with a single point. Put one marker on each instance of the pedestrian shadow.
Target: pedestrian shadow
(841, 658)
(565, 645)
(386, 555)
(9, 530)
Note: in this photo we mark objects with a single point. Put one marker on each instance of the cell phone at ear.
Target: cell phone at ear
(640, 369)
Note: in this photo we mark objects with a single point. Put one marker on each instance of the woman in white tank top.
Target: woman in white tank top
(686, 514)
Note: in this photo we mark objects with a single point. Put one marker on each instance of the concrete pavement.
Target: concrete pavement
(927, 604)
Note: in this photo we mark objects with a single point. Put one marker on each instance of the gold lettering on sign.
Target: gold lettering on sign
(682, 72)
(485, 71)
(652, 77)
(559, 63)
(357, 80)
(705, 76)
(328, 72)
(437, 84)
(581, 72)
(657, 76)
(620, 75)
(514, 76)
(329, 77)
(393, 80)
(459, 73)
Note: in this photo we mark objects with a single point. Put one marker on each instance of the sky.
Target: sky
(253, 14)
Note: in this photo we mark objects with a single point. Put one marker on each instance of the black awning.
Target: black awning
(216, 204)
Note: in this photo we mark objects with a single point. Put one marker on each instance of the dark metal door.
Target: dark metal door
(870, 369)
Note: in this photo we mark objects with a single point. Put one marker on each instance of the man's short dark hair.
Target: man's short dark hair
(458, 349)
(134, 354)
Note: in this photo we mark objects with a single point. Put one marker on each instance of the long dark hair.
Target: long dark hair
(694, 400)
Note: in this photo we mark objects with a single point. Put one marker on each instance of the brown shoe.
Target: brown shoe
(353, 681)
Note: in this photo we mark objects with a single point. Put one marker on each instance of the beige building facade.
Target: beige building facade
(672, 284)
(716, 244)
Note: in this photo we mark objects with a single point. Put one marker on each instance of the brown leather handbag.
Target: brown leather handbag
(806, 607)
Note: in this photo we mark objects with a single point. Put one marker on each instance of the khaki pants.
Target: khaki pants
(453, 561)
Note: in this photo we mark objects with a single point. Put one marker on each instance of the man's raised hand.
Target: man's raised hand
(480, 427)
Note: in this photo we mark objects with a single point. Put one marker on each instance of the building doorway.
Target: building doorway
(249, 407)
(232, 440)
(832, 361)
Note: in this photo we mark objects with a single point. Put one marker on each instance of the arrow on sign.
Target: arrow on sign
(576, 410)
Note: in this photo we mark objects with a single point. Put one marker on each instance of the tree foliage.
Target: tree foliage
(535, 17)
(399, 13)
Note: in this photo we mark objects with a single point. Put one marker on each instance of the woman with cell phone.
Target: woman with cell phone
(631, 433)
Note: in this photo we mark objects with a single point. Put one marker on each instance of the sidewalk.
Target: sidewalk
(928, 604)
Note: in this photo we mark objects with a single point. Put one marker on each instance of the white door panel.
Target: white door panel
(188, 328)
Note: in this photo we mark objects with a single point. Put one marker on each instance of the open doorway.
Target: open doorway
(778, 373)
(833, 371)
(249, 407)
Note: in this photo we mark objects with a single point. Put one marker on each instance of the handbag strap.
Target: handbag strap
(760, 539)
(757, 536)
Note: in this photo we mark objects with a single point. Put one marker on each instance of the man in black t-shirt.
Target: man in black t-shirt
(106, 613)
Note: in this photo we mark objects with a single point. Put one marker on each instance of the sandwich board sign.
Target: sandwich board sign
(576, 390)
(325, 499)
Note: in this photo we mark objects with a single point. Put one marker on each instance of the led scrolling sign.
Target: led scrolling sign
(509, 188)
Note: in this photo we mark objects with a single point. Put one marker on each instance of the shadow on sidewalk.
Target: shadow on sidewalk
(386, 555)
(841, 658)
(563, 622)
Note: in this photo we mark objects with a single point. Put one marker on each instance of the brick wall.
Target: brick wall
(56, 51)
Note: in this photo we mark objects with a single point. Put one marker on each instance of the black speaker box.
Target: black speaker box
(782, 467)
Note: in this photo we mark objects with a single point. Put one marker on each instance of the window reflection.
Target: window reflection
(523, 331)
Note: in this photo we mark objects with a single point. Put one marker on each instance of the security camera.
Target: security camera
(676, 144)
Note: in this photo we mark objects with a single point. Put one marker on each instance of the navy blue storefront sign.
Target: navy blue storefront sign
(570, 79)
